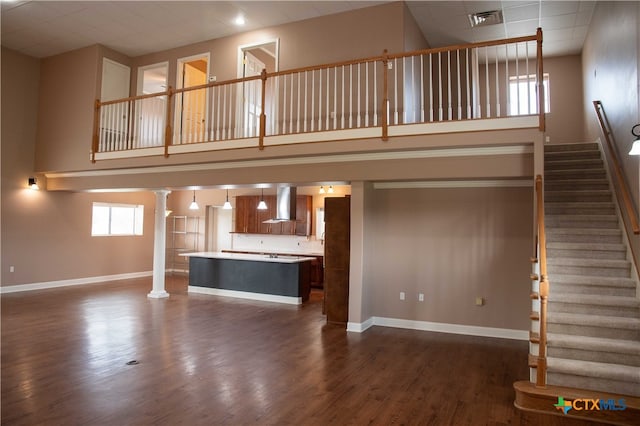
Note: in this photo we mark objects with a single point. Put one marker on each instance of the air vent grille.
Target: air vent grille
(482, 19)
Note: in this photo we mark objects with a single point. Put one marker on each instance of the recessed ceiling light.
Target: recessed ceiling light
(239, 20)
(490, 17)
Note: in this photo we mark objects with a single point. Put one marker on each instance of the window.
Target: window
(117, 219)
(523, 95)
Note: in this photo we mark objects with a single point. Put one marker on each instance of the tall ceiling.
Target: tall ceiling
(45, 28)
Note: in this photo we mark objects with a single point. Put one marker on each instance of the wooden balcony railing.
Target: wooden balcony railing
(496, 79)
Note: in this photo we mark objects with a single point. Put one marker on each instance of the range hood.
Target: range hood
(285, 205)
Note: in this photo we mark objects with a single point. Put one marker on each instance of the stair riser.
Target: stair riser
(586, 254)
(551, 210)
(559, 175)
(602, 385)
(571, 147)
(594, 356)
(587, 330)
(568, 155)
(554, 222)
(588, 271)
(575, 308)
(568, 197)
(573, 165)
(580, 238)
(561, 186)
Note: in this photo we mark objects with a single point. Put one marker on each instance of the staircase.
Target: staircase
(593, 312)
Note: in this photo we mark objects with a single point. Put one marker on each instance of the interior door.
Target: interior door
(192, 105)
(252, 95)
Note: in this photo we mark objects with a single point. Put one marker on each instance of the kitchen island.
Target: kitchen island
(283, 279)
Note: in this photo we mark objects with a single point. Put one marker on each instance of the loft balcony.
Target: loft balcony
(495, 85)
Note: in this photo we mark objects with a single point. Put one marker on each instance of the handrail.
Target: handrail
(622, 182)
(543, 288)
(421, 100)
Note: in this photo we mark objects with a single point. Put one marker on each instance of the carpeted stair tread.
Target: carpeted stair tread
(600, 370)
(590, 299)
(586, 231)
(586, 246)
(595, 281)
(589, 263)
(577, 146)
(594, 321)
(576, 173)
(589, 343)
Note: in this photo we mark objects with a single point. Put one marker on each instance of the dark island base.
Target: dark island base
(271, 278)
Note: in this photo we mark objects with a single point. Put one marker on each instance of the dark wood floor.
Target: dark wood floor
(204, 360)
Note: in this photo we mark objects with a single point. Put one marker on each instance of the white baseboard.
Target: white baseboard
(246, 295)
(71, 282)
(470, 330)
(359, 327)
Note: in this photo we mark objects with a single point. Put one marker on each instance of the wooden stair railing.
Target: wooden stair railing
(621, 181)
(543, 288)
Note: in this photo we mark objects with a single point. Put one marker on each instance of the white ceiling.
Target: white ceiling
(45, 28)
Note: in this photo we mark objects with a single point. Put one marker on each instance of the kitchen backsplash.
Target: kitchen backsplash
(277, 244)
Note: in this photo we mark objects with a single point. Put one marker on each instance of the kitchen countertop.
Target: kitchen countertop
(250, 257)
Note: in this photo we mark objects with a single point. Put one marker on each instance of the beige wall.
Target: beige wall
(610, 70)
(453, 245)
(413, 38)
(565, 122)
(46, 236)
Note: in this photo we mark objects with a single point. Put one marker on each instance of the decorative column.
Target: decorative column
(159, 246)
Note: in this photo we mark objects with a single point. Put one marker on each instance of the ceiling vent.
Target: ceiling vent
(482, 19)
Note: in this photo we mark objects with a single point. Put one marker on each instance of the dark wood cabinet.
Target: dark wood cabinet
(337, 218)
(317, 272)
(250, 220)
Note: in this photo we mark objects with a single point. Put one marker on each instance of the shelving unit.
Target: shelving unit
(184, 237)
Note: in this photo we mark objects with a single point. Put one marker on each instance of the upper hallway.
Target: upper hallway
(375, 93)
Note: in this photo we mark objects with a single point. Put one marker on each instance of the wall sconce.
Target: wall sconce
(262, 205)
(330, 190)
(321, 190)
(227, 204)
(33, 183)
(194, 205)
(635, 148)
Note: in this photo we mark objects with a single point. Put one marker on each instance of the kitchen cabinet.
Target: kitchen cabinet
(337, 252)
(250, 220)
(317, 272)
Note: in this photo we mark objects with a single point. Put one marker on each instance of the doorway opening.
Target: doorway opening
(191, 106)
(252, 59)
(152, 111)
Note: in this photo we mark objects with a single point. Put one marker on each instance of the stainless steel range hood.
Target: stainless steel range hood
(285, 205)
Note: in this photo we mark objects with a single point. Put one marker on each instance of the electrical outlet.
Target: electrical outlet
(402, 295)
(212, 78)
(479, 301)
(390, 65)
(421, 297)
(12, 269)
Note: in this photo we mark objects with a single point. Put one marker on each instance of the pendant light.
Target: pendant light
(262, 205)
(194, 205)
(227, 204)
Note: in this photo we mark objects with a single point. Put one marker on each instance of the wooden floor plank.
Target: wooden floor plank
(206, 360)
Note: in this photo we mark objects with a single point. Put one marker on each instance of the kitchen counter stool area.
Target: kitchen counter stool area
(283, 279)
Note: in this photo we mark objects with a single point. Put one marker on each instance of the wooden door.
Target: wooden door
(337, 220)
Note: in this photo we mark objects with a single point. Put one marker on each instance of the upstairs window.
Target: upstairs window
(116, 219)
(523, 95)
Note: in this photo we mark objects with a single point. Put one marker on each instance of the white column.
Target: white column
(159, 246)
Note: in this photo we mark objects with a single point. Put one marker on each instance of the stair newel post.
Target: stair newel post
(385, 96)
(167, 130)
(96, 126)
(540, 79)
(263, 116)
(543, 289)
